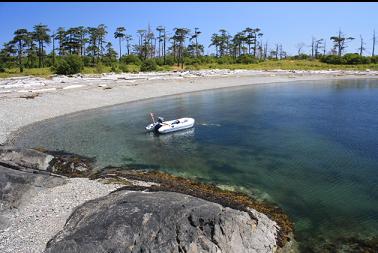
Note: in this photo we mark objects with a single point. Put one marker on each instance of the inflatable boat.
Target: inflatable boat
(163, 127)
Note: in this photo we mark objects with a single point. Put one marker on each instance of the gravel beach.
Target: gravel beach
(44, 214)
(26, 100)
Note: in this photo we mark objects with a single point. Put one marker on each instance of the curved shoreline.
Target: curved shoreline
(187, 87)
(16, 112)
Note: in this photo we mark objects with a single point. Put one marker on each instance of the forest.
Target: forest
(86, 50)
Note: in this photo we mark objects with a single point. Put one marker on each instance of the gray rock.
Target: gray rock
(25, 158)
(15, 186)
(22, 173)
(58, 162)
(127, 221)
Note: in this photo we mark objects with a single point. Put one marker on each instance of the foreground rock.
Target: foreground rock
(35, 202)
(153, 211)
(44, 213)
(17, 186)
(23, 172)
(127, 221)
(168, 183)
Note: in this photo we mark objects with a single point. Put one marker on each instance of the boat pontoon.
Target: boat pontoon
(160, 126)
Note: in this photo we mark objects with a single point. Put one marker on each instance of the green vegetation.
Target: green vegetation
(85, 49)
(12, 72)
(148, 65)
(68, 65)
(285, 64)
(131, 59)
(350, 59)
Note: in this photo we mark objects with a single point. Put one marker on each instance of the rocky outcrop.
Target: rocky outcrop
(153, 211)
(127, 221)
(25, 171)
(57, 162)
(43, 213)
(15, 184)
(24, 159)
(235, 200)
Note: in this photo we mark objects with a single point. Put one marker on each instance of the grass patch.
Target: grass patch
(285, 65)
(165, 68)
(40, 72)
(130, 68)
(265, 65)
(96, 70)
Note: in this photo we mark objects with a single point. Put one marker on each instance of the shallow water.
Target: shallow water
(311, 147)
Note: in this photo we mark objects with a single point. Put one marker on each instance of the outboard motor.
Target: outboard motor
(156, 127)
(158, 124)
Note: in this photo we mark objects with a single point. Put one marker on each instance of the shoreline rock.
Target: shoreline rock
(169, 183)
(45, 161)
(161, 222)
(23, 219)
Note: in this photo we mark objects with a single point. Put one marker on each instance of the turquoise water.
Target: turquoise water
(310, 147)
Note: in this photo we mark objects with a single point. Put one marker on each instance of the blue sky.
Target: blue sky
(285, 23)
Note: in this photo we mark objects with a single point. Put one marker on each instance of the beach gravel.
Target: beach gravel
(45, 212)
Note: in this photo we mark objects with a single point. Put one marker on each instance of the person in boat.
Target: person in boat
(160, 119)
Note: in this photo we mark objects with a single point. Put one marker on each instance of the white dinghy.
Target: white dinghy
(163, 127)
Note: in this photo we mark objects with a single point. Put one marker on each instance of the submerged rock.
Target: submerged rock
(343, 244)
(69, 164)
(127, 221)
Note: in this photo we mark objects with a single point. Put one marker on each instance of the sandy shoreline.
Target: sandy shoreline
(64, 95)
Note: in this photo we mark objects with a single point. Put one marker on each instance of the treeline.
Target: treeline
(336, 54)
(349, 59)
(150, 48)
(28, 48)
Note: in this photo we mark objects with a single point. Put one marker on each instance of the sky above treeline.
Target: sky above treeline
(282, 23)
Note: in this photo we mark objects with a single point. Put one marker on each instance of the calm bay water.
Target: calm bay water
(310, 147)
